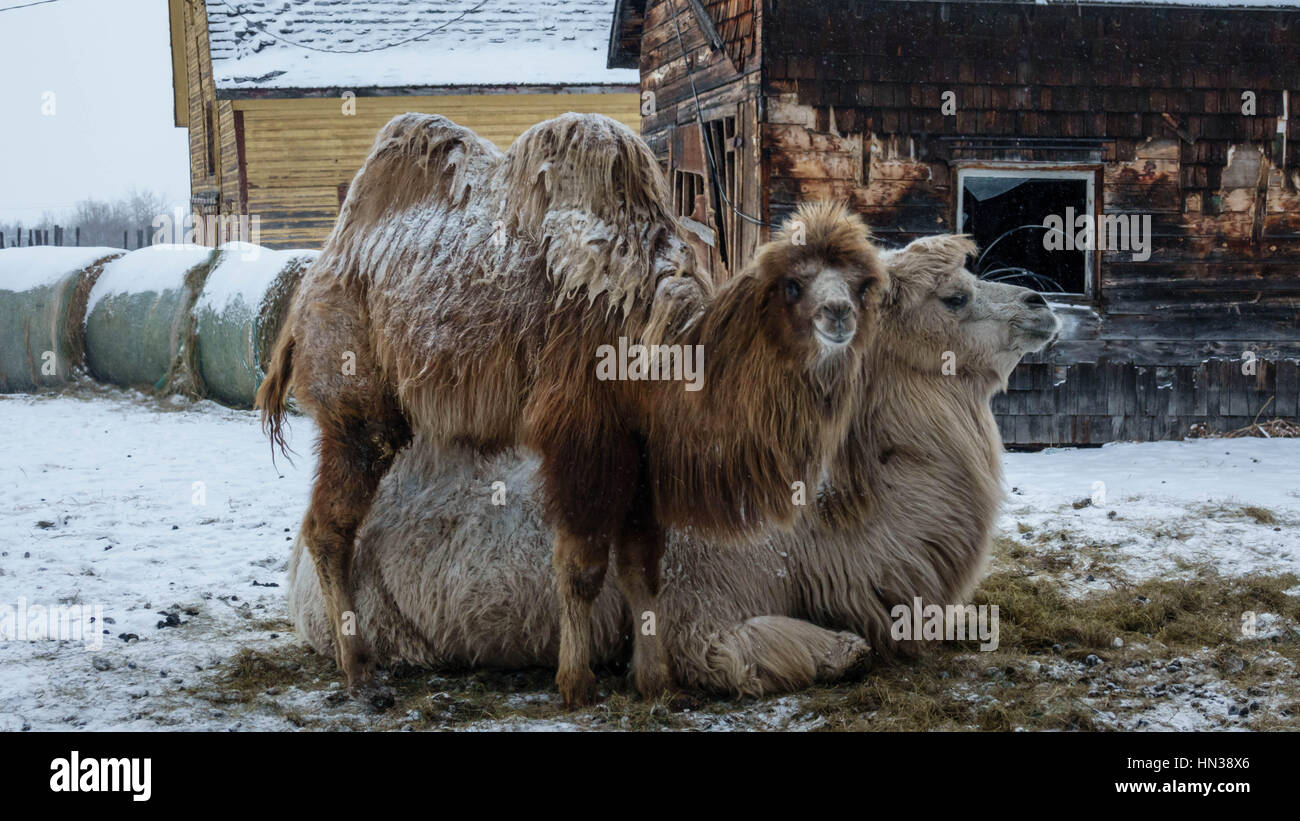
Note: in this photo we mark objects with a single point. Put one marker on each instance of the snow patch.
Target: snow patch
(245, 272)
(22, 269)
(154, 269)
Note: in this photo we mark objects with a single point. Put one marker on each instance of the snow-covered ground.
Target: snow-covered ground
(1162, 505)
(171, 523)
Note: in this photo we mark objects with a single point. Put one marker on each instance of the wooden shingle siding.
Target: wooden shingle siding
(1151, 99)
(1120, 401)
(199, 94)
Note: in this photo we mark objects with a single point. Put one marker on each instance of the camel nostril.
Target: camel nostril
(1035, 300)
(836, 321)
(838, 312)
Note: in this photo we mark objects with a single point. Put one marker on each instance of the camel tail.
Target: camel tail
(273, 393)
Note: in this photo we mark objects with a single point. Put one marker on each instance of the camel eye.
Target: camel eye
(793, 289)
(956, 301)
(865, 288)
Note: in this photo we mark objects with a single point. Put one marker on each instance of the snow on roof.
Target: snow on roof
(348, 44)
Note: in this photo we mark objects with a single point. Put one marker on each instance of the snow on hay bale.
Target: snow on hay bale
(43, 295)
(140, 324)
(239, 315)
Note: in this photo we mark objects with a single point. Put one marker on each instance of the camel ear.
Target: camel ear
(914, 265)
(943, 252)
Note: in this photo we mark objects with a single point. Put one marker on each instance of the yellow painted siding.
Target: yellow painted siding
(227, 158)
(200, 94)
(299, 151)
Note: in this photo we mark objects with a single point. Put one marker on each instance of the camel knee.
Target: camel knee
(639, 556)
(580, 565)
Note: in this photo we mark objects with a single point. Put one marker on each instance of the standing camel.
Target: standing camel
(465, 297)
(907, 510)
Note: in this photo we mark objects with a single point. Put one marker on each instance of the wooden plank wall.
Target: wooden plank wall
(299, 151)
(727, 81)
(200, 92)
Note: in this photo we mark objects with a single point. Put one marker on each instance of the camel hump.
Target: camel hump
(431, 142)
(417, 160)
(591, 190)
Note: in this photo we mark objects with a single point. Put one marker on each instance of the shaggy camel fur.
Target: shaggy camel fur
(448, 577)
(464, 297)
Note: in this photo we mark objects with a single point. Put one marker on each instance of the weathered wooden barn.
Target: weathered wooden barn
(283, 99)
(1174, 120)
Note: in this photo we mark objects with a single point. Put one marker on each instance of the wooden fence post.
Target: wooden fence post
(78, 236)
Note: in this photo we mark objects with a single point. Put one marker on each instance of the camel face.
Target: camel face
(989, 325)
(824, 282)
(1012, 321)
(942, 319)
(823, 306)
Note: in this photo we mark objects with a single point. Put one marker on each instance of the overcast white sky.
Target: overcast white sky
(108, 63)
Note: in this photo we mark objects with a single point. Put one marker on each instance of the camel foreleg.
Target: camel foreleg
(580, 565)
(638, 556)
(766, 655)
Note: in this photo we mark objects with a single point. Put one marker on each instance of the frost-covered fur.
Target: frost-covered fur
(462, 299)
(448, 578)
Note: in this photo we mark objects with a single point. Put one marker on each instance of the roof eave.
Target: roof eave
(624, 27)
(180, 69)
(256, 93)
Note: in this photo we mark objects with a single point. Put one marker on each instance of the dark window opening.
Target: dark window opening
(1007, 215)
(210, 127)
(722, 139)
(688, 196)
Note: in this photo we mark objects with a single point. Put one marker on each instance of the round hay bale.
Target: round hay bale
(239, 316)
(43, 294)
(140, 327)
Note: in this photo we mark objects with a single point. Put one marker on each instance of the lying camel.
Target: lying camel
(451, 571)
(465, 297)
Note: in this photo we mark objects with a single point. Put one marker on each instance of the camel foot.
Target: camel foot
(852, 658)
(578, 689)
(378, 695)
(654, 682)
(679, 701)
(363, 686)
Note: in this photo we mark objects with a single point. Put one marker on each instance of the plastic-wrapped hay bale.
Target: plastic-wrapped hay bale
(43, 294)
(239, 316)
(140, 324)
